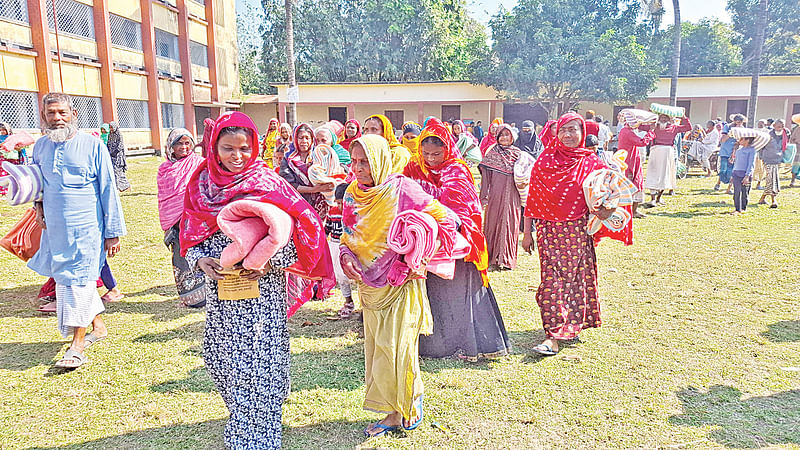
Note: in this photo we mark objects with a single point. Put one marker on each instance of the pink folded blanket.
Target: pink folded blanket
(413, 234)
(258, 231)
(610, 189)
(16, 141)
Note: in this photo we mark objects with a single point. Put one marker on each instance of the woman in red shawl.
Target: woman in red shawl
(467, 321)
(246, 343)
(352, 131)
(567, 294)
(548, 132)
(491, 136)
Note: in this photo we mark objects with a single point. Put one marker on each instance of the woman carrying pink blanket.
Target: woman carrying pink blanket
(173, 176)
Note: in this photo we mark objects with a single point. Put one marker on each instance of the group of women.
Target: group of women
(246, 344)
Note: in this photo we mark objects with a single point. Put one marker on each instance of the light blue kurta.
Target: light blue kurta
(81, 209)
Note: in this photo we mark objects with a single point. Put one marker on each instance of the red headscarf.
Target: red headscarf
(347, 141)
(212, 187)
(491, 138)
(208, 130)
(556, 189)
(451, 183)
(545, 135)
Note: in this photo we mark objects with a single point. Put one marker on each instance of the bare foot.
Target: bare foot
(114, 295)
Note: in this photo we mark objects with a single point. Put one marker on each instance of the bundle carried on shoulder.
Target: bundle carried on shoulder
(25, 183)
(413, 234)
(610, 189)
(672, 111)
(258, 230)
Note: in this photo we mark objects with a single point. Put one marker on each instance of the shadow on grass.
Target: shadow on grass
(751, 423)
(24, 355)
(190, 332)
(203, 435)
(329, 435)
(20, 301)
(711, 205)
(167, 290)
(683, 214)
(783, 331)
(163, 311)
(197, 380)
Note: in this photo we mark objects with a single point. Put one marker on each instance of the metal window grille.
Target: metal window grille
(20, 109)
(73, 18)
(167, 45)
(202, 2)
(125, 32)
(90, 111)
(172, 115)
(14, 10)
(198, 53)
(133, 113)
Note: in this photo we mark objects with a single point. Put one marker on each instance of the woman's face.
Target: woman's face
(183, 147)
(777, 126)
(457, 129)
(493, 128)
(350, 130)
(3, 132)
(553, 129)
(410, 135)
(359, 164)
(373, 126)
(277, 157)
(272, 126)
(304, 141)
(432, 153)
(323, 137)
(285, 134)
(505, 138)
(571, 133)
(234, 151)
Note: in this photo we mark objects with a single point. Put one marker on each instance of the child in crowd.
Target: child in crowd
(333, 228)
(742, 175)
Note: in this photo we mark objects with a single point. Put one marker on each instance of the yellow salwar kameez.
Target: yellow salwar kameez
(394, 316)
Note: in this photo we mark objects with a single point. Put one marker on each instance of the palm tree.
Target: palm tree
(757, 51)
(676, 54)
(292, 111)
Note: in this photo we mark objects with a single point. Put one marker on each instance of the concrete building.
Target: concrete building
(704, 97)
(150, 65)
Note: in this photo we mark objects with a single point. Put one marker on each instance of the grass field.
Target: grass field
(700, 348)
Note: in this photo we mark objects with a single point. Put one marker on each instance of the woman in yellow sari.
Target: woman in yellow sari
(270, 141)
(394, 316)
(382, 126)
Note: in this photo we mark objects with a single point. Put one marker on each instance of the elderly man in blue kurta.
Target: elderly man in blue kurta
(82, 219)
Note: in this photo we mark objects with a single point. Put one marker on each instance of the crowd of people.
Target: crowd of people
(412, 221)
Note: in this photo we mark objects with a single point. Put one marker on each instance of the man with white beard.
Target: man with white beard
(661, 166)
(82, 221)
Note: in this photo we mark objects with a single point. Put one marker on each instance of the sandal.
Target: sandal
(419, 420)
(384, 429)
(347, 310)
(773, 206)
(544, 350)
(90, 339)
(71, 360)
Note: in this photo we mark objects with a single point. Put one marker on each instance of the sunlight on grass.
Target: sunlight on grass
(700, 348)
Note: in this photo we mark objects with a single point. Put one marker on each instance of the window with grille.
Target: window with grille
(90, 111)
(202, 2)
(14, 10)
(20, 109)
(167, 45)
(125, 32)
(73, 18)
(172, 115)
(198, 53)
(133, 113)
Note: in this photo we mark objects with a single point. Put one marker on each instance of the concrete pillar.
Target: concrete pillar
(186, 66)
(149, 50)
(102, 35)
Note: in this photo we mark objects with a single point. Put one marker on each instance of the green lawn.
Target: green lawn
(700, 348)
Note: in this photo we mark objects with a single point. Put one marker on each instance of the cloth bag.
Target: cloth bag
(23, 239)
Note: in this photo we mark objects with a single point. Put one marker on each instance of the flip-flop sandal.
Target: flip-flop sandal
(71, 360)
(419, 420)
(544, 350)
(90, 339)
(49, 308)
(384, 430)
(107, 299)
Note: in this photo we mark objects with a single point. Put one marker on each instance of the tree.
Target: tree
(565, 51)
(676, 54)
(290, 72)
(759, 45)
(373, 40)
(252, 77)
(781, 47)
(706, 48)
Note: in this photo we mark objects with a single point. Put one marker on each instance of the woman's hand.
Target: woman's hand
(253, 275)
(527, 243)
(210, 268)
(324, 187)
(39, 209)
(350, 268)
(604, 213)
(112, 246)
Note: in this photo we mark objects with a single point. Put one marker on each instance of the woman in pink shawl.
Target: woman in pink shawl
(173, 176)
(567, 294)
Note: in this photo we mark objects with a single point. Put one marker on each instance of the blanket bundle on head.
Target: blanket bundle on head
(325, 168)
(414, 235)
(258, 230)
(610, 189)
(24, 183)
(635, 117)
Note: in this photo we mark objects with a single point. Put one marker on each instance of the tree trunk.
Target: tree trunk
(676, 55)
(291, 113)
(762, 25)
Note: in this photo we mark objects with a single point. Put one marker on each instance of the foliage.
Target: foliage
(569, 50)
(706, 48)
(781, 52)
(252, 76)
(373, 40)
